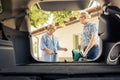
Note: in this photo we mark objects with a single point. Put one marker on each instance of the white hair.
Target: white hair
(86, 14)
(51, 27)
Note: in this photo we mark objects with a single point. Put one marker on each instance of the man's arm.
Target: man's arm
(91, 43)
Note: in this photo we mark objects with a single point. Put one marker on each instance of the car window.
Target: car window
(68, 31)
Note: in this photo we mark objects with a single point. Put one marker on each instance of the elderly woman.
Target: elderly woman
(50, 45)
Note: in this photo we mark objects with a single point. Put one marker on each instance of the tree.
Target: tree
(40, 17)
(61, 17)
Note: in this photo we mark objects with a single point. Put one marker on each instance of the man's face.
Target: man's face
(82, 19)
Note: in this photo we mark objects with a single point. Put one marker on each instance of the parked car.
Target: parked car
(16, 58)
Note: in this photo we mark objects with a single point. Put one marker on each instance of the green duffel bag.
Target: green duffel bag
(76, 54)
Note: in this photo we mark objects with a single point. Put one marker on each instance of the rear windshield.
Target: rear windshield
(68, 32)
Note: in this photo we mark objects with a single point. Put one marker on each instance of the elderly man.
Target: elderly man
(89, 37)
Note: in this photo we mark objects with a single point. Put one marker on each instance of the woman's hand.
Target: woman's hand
(51, 52)
(65, 49)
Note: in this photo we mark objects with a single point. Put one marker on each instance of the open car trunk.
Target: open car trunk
(16, 57)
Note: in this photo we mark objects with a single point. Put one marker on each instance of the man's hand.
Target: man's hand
(85, 54)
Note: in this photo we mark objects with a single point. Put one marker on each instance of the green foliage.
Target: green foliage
(37, 16)
(40, 17)
(61, 17)
(76, 14)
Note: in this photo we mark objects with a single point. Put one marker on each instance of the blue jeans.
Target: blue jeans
(94, 51)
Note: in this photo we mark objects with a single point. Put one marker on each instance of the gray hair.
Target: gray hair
(86, 14)
(51, 27)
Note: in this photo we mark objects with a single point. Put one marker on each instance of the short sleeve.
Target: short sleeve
(94, 28)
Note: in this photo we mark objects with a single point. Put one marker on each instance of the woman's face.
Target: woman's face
(51, 31)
